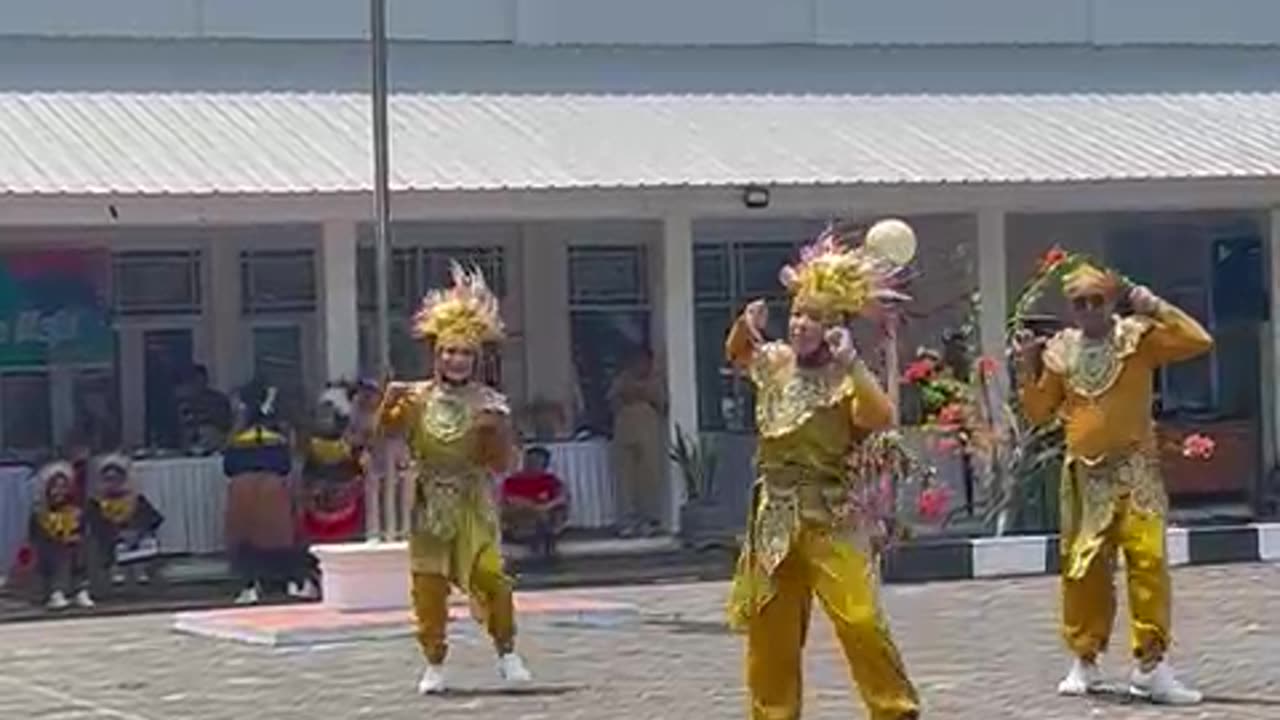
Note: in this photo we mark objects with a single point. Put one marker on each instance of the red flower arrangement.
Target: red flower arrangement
(1054, 257)
(1198, 447)
(919, 371)
(932, 502)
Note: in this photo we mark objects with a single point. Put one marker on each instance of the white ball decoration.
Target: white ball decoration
(893, 240)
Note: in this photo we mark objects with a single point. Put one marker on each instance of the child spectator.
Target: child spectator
(57, 531)
(535, 507)
(122, 522)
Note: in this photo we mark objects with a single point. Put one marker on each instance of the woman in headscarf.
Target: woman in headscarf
(260, 529)
(460, 436)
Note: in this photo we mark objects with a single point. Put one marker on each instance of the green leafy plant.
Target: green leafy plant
(697, 463)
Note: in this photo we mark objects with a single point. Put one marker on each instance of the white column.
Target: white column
(548, 338)
(680, 357)
(230, 362)
(992, 284)
(340, 301)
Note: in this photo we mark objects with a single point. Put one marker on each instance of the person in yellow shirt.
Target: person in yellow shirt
(1097, 378)
(812, 529)
(459, 435)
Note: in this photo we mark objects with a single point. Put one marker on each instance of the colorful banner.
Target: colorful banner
(54, 309)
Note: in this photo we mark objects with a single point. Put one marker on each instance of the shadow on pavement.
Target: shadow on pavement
(1118, 695)
(526, 691)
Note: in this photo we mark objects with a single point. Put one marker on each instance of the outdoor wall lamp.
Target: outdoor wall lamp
(755, 197)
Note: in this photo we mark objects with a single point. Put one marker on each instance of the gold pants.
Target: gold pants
(842, 578)
(1089, 603)
(491, 605)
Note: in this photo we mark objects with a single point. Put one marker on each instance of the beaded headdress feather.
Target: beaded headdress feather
(838, 281)
(467, 313)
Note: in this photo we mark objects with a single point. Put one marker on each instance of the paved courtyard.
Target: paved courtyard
(978, 651)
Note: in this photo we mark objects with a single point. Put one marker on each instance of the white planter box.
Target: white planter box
(364, 576)
(1014, 555)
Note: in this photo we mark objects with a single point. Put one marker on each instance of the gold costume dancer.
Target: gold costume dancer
(459, 435)
(809, 533)
(1096, 377)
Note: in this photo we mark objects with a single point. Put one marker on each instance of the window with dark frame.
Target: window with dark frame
(157, 282)
(277, 281)
(415, 271)
(609, 317)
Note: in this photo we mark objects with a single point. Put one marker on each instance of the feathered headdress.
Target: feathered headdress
(837, 280)
(467, 313)
(1086, 279)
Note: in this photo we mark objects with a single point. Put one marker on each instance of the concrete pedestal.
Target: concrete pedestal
(364, 576)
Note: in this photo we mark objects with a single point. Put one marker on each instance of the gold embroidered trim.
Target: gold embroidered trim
(1091, 489)
(787, 395)
(1092, 368)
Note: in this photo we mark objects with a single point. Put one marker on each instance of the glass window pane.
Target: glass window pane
(167, 358)
(156, 282)
(490, 261)
(278, 281)
(277, 360)
(759, 265)
(95, 398)
(26, 411)
(403, 290)
(602, 341)
(608, 276)
(711, 277)
(715, 401)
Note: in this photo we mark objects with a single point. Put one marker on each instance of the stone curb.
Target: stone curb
(1020, 555)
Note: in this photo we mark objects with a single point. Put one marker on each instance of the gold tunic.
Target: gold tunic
(1102, 392)
(458, 437)
(810, 421)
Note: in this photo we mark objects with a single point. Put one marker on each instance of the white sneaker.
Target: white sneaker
(57, 601)
(249, 596)
(117, 577)
(1083, 678)
(305, 590)
(83, 600)
(141, 576)
(1161, 687)
(432, 682)
(511, 668)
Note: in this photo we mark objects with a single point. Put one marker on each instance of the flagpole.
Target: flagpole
(381, 516)
(381, 172)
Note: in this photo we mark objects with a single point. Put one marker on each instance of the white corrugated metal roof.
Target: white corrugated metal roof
(148, 144)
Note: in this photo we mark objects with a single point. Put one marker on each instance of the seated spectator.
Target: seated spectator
(203, 412)
(57, 533)
(123, 522)
(535, 506)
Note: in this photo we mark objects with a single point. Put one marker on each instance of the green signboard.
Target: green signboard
(53, 308)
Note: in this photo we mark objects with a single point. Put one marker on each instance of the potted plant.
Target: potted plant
(700, 516)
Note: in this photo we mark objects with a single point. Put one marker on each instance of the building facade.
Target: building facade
(593, 158)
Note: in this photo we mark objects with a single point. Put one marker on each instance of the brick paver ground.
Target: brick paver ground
(982, 650)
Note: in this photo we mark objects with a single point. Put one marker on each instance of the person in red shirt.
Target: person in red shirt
(535, 507)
